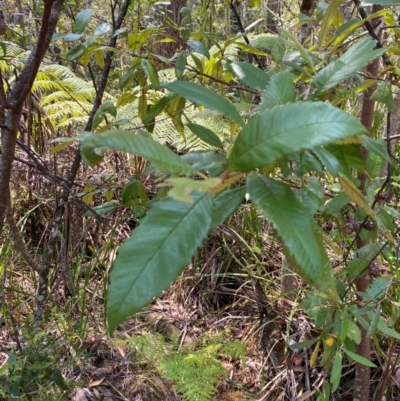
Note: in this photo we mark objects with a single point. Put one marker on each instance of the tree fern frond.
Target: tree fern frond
(165, 131)
(167, 75)
(57, 71)
(60, 95)
(74, 121)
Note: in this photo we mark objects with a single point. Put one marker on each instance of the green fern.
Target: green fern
(194, 369)
(165, 131)
(195, 375)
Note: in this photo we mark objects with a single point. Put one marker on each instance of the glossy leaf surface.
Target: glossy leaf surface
(284, 130)
(202, 96)
(139, 144)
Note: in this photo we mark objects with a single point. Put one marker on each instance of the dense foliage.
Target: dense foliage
(297, 125)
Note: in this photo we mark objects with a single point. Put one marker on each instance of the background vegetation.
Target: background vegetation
(199, 200)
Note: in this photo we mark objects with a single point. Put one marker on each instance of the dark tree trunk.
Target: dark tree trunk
(172, 20)
(362, 380)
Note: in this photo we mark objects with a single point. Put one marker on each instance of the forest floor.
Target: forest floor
(221, 332)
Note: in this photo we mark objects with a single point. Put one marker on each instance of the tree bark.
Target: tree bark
(172, 14)
(362, 380)
(59, 211)
(12, 104)
(307, 7)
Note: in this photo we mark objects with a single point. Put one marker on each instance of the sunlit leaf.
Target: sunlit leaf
(142, 145)
(353, 60)
(102, 29)
(250, 75)
(72, 37)
(205, 134)
(151, 73)
(355, 194)
(82, 20)
(199, 47)
(276, 133)
(205, 97)
(183, 187)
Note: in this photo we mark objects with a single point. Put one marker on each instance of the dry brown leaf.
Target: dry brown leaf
(121, 350)
(96, 382)
(305, 396)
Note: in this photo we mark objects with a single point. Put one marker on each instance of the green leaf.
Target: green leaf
(180, 64)
(377, 146)
(205, 134)
(355, 194)
(107, 107)
(102, 29)
(55, 38)
(82, 20)
(374, 322)
(76, 52)
(377, 288)
(359, 359)
(72, 37)
(199, 47)
(276, 133)
(310, 200)
(249, 49)
(268, 42)
(280, 90)
(198, 62)
(384, 94)
(255, 3)
(250, 75)
(336, 204)
(155, 110)
(354, 332)
(183, 187)
(60, 147)
(134, 193)
(336, 371)
(205, 97)
(365, 256)
(329, 19)
(151, 73)
(149, 261)
(214, 163)
(143, 145)
(388, 331)
(354, 59)
(374, 165)
(225, 204)
(303, 52)
(344, 31)
(103, 209)
(348, 156)
(386, 223)
(303, 344)
(328, 160)
(128, 76)
(291, 220)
